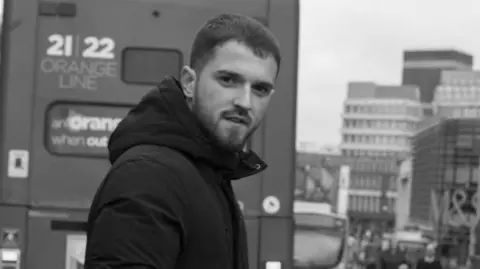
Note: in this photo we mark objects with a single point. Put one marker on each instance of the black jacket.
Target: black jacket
(423, 264)
(392, 260)
(167, 201)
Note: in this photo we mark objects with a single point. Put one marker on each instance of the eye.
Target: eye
(227, 80)
(262, 90)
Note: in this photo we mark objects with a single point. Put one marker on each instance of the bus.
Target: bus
(71, 70)
(320, 237)
(414, 243)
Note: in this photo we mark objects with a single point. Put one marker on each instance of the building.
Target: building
(423, 68)
(379, 121)
(372, 185)
(372, 190)
(458, 95)
(315, 181)
(316, 148)
(445, 180)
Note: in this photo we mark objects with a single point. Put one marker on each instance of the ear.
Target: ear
(188, 78)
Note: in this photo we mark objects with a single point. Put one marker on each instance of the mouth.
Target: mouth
(238, 120)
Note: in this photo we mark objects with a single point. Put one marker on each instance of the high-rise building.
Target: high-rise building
(379, 121)
(423, 68)
(458, 95)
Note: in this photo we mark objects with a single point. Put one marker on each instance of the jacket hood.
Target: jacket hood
(163, 118)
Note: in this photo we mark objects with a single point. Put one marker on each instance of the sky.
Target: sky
(364, 40)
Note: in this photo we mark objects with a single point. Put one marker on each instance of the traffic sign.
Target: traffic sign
(271, 205)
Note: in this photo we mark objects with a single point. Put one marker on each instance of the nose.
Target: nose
(244, 98)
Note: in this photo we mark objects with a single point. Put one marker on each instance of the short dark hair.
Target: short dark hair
(227, 27)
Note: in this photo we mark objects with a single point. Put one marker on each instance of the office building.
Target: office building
(378, 120)
(423, 68)
(458, 95)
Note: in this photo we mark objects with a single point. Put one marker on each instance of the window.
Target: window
(470, 112)
(369, 203)
(457, 94)
(457, 112)
(149, 66)
(440, 93)
(363, 202)
(377, 204)
(354, 204)
(391, 205)
(351, 202)
(472, 92)
(374, 183)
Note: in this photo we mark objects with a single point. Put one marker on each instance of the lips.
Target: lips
(238, 120)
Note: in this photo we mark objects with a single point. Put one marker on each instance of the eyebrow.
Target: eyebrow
(265, 84)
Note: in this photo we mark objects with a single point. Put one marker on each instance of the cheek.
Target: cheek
(209, 100)
(203, 94)
(207, 89)
(260, 108)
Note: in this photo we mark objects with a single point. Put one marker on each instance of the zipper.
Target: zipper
(238, 252)
(229, 223)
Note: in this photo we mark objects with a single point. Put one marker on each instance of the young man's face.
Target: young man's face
(231, 94)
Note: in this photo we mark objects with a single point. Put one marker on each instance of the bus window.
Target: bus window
(319, 241)
(149, 66)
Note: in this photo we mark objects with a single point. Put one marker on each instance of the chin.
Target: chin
(229, 145)
(231, 139)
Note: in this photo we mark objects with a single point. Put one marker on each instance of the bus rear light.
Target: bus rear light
(273, 265)
(9, 258)
(10, 255)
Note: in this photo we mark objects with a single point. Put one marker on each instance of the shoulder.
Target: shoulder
(158, 158)
(146, 169)
(152, 153)
(152, 165)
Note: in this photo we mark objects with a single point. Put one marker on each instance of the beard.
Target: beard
(221, 132)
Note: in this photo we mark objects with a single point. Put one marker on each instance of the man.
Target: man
(167, 202)
(429, 261)
(393, 257)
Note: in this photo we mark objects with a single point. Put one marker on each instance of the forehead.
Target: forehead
(238, 58)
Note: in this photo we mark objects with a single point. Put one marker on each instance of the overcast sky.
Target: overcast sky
(345, 40)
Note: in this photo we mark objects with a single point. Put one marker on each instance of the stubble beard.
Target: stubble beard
(213, 129)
